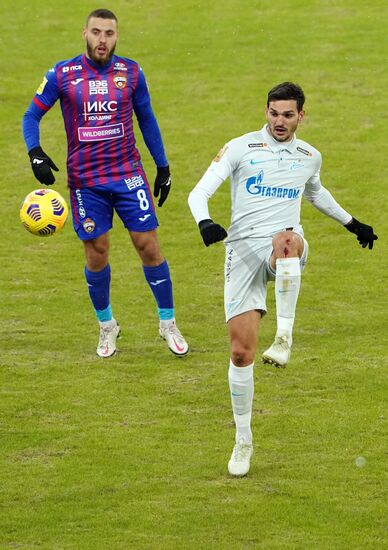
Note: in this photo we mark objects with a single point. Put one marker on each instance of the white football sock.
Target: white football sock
(107, 324)
(241, 392)
(164, 323)
(287, 285)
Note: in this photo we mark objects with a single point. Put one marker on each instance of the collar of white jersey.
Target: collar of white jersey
(278, 145)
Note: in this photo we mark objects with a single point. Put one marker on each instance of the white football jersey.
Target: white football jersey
(267, 181)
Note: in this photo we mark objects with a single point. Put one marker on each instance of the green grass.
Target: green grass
(132, 452)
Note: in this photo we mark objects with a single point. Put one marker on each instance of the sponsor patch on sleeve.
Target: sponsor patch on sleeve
(304, 151)
(42, 86)
(220, 153)
(257, 145)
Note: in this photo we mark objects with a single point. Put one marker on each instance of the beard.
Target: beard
(99, 60)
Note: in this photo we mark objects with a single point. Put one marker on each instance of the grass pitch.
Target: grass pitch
(132, 452)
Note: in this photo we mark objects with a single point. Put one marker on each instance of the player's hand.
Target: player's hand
(162, 183)
(364, 233)
(42, 165)
(211, 232)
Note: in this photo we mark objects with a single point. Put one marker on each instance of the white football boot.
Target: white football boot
(240, 460)
(279, 353)
(175, 341)
(109, 332)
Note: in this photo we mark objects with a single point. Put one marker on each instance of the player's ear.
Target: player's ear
(301, 115)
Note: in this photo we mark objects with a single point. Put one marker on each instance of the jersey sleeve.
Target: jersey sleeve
(45, 97)
(324, 201)
(147, 121)
(219, 170)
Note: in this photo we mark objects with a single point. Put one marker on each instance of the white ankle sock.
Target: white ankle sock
(241, 392)
(287, 285)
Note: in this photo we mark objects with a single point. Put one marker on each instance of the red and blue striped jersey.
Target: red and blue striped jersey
(97, 105)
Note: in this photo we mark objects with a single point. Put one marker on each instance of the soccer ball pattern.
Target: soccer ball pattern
(44, 212)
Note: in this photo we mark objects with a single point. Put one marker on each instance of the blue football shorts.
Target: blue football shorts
(93, 207)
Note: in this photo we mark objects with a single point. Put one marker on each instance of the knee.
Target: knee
(287, 244)
(96, 256)
(241, 356)
(149, 251)
(147, 247)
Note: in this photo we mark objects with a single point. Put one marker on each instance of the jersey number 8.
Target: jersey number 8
(143, 201)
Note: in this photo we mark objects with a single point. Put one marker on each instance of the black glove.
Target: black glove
(42, 165)
(365, 235)
(162, 183)
(211, 232)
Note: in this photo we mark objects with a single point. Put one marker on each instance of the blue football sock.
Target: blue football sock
(159, 280)
(99, 286)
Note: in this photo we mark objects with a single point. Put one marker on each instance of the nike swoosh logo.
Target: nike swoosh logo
(237, 394)
(37, 161)
(178, 347)
(158, 282)
(144, 218)
(260, 161)
(76, 81)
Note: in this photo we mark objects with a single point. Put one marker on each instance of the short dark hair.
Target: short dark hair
(287, 90)
(102, 14)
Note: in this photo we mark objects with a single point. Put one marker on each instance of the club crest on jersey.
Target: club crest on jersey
(120, 81)
(89, 225)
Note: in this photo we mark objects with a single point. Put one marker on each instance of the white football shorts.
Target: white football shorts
(247, 272)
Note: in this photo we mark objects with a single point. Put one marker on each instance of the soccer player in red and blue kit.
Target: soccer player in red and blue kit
(98, 93)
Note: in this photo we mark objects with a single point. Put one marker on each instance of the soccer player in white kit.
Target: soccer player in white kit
(269, 171)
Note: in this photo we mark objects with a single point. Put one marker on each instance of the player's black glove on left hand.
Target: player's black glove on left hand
(162, 183)
(42, 165)
(211, 232)
(365, 235)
